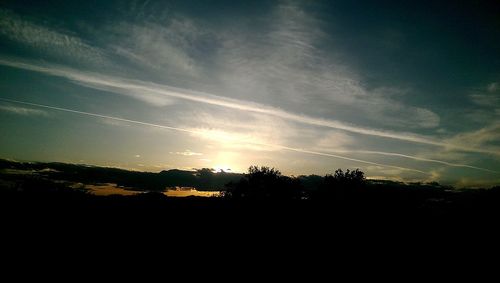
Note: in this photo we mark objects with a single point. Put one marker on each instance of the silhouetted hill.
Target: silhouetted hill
(202, 179)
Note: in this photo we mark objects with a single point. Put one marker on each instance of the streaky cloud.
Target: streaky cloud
(348, 158)
(417, 158)
(51, 41)
(200, 132)
(187, 152)
(153, 93)
(23, 111)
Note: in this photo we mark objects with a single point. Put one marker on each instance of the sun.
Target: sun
(222, 167)
(226, 161)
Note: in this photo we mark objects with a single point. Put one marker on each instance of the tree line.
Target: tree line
(268, 183)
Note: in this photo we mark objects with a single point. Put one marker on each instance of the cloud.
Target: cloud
(393, 174)
(23, 111)
(335, 141)
(255, 132)
(486, 137)
(273, 82)
(187, 152)
(41, 38)
(201, 133)
(489, 104)
(279, 66)
(452, 164)
(471, 182)
(493, 87)
(166, 47)
(112, 122)
(225, 139)
(486, 113)
(486, 108)
(286, 65)
(228, 129)
(435, 175)
(485, 99)
(160, 94)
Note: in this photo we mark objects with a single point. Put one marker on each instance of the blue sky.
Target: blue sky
(402, 91)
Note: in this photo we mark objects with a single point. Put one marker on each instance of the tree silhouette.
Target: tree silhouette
(340, 186)
(265, 183)
(349, 178)
(38, 187)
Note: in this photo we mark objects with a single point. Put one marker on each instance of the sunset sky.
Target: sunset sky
(402, 91)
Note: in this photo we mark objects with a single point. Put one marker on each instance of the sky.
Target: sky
(403, 91)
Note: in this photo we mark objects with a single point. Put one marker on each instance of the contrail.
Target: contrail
(348, 158)
(149, 91)
(100, 116)
(417, 158)
(201, 132)
(271, 145)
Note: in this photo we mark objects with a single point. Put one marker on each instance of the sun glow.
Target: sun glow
(228, 161)
(222, 167)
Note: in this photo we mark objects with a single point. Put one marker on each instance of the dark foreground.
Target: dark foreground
(75, 210)
(336, 216)
(40, 195)
(249, 237)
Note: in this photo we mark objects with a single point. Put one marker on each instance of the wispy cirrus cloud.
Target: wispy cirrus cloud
(156, 93)
(286, 65)
(167, 48)
(418, 158)
(286, 77)
(488, 136)
(246, 140)
(493, 87)
(256, 132)
(228, 137)
(486, 102)
(485, 111)
(187, 152)
(485, 99)
(47, 40)
(23, 111)
(280, 64)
